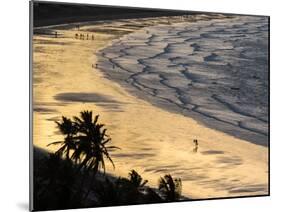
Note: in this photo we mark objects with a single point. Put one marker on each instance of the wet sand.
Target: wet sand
(153, 141)
(205, 70)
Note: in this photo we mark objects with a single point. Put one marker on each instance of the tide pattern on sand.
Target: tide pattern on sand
(215, 71)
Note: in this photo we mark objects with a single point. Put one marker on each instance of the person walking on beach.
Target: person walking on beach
(56, 34)
(195, 141)
(195, 149)
(93, 38)
(87, 36)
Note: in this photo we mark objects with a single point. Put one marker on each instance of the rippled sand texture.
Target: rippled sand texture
(215, 71)
(153, 140)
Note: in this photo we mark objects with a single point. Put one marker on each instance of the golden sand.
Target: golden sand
(153, 141)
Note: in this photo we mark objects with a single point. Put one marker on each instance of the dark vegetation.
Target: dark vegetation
(74, 176)
(46, 13)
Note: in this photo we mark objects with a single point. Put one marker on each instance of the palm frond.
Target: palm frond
(55, 143)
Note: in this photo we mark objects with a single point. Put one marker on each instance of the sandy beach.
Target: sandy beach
(153, 140)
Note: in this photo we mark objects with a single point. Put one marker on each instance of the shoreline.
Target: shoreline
(130, 79)
(120, 111)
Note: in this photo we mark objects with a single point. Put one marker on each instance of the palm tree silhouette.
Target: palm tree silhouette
(85, 143)
(171, 188)
(90, 147)
(91, 143)
(67, 128)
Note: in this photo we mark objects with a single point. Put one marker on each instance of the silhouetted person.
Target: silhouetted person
(76, 35)
(93, 37)
(56, 34)
(96, 65)
(87, 36)
(195, 149)
(195, 141)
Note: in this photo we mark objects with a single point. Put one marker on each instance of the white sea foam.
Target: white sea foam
(215, 71)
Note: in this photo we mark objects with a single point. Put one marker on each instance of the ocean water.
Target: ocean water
(168, 70)
(215, 71)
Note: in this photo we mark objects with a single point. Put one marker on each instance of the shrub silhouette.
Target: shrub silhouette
(129, 190)
(53, 183)
(136, 179)
(171, 188)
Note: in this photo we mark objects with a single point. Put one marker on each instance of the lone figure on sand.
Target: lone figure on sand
(195, 149)
(195, 141)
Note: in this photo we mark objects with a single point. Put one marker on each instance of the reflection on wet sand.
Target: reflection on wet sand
(152, 140)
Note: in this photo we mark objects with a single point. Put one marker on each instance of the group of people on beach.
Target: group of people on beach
(83, 37)
(79, 36)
